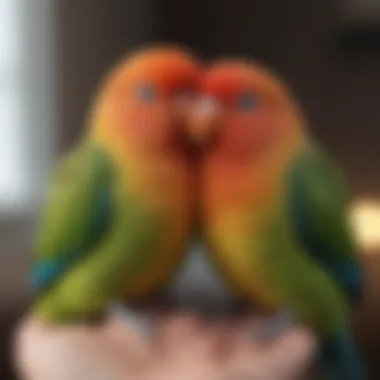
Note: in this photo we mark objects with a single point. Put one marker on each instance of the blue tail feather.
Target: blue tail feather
(339, 358)
(46, 272)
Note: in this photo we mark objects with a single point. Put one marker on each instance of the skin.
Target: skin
(183, 348)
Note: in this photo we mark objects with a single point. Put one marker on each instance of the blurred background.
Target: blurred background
(53, 53)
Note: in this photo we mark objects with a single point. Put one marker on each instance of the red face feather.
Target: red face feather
(254, 108)
(225, 82)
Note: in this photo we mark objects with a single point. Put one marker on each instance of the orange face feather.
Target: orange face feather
(145, 98)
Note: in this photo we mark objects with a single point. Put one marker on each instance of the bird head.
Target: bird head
(146, 99)
(242, 109)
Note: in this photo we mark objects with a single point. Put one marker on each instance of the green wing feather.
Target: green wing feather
(77, 214)
(318, 203)
(96, 239)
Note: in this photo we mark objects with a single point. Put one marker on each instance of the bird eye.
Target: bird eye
(146, 93)
(247, 101)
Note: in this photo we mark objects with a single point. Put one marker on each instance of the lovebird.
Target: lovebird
(119, 210)
(274, 208)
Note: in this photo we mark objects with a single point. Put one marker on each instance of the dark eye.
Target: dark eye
(146, 93)
(247, 102)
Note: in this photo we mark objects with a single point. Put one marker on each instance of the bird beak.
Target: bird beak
(203, 119)
(183, 105)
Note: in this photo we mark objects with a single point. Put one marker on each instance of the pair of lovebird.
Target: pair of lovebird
(174, 146)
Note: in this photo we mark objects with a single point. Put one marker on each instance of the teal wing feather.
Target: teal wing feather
(77, 214)
(318, 206)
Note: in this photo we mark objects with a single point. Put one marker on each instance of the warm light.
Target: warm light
(365, 217)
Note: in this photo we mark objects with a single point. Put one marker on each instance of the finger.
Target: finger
(55, 352)
(245, 352)
(224, 338)
(291, 354)
(128, 342)
(244, 335)
(180, 326)
(172, 334)
(186, 338)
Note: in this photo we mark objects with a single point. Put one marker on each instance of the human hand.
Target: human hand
(76, 352)
(289, 357)
(183, 348)
(187, 349)
(191, 349)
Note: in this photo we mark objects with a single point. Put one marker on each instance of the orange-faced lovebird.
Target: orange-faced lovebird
(274, 207)
(119, 212)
